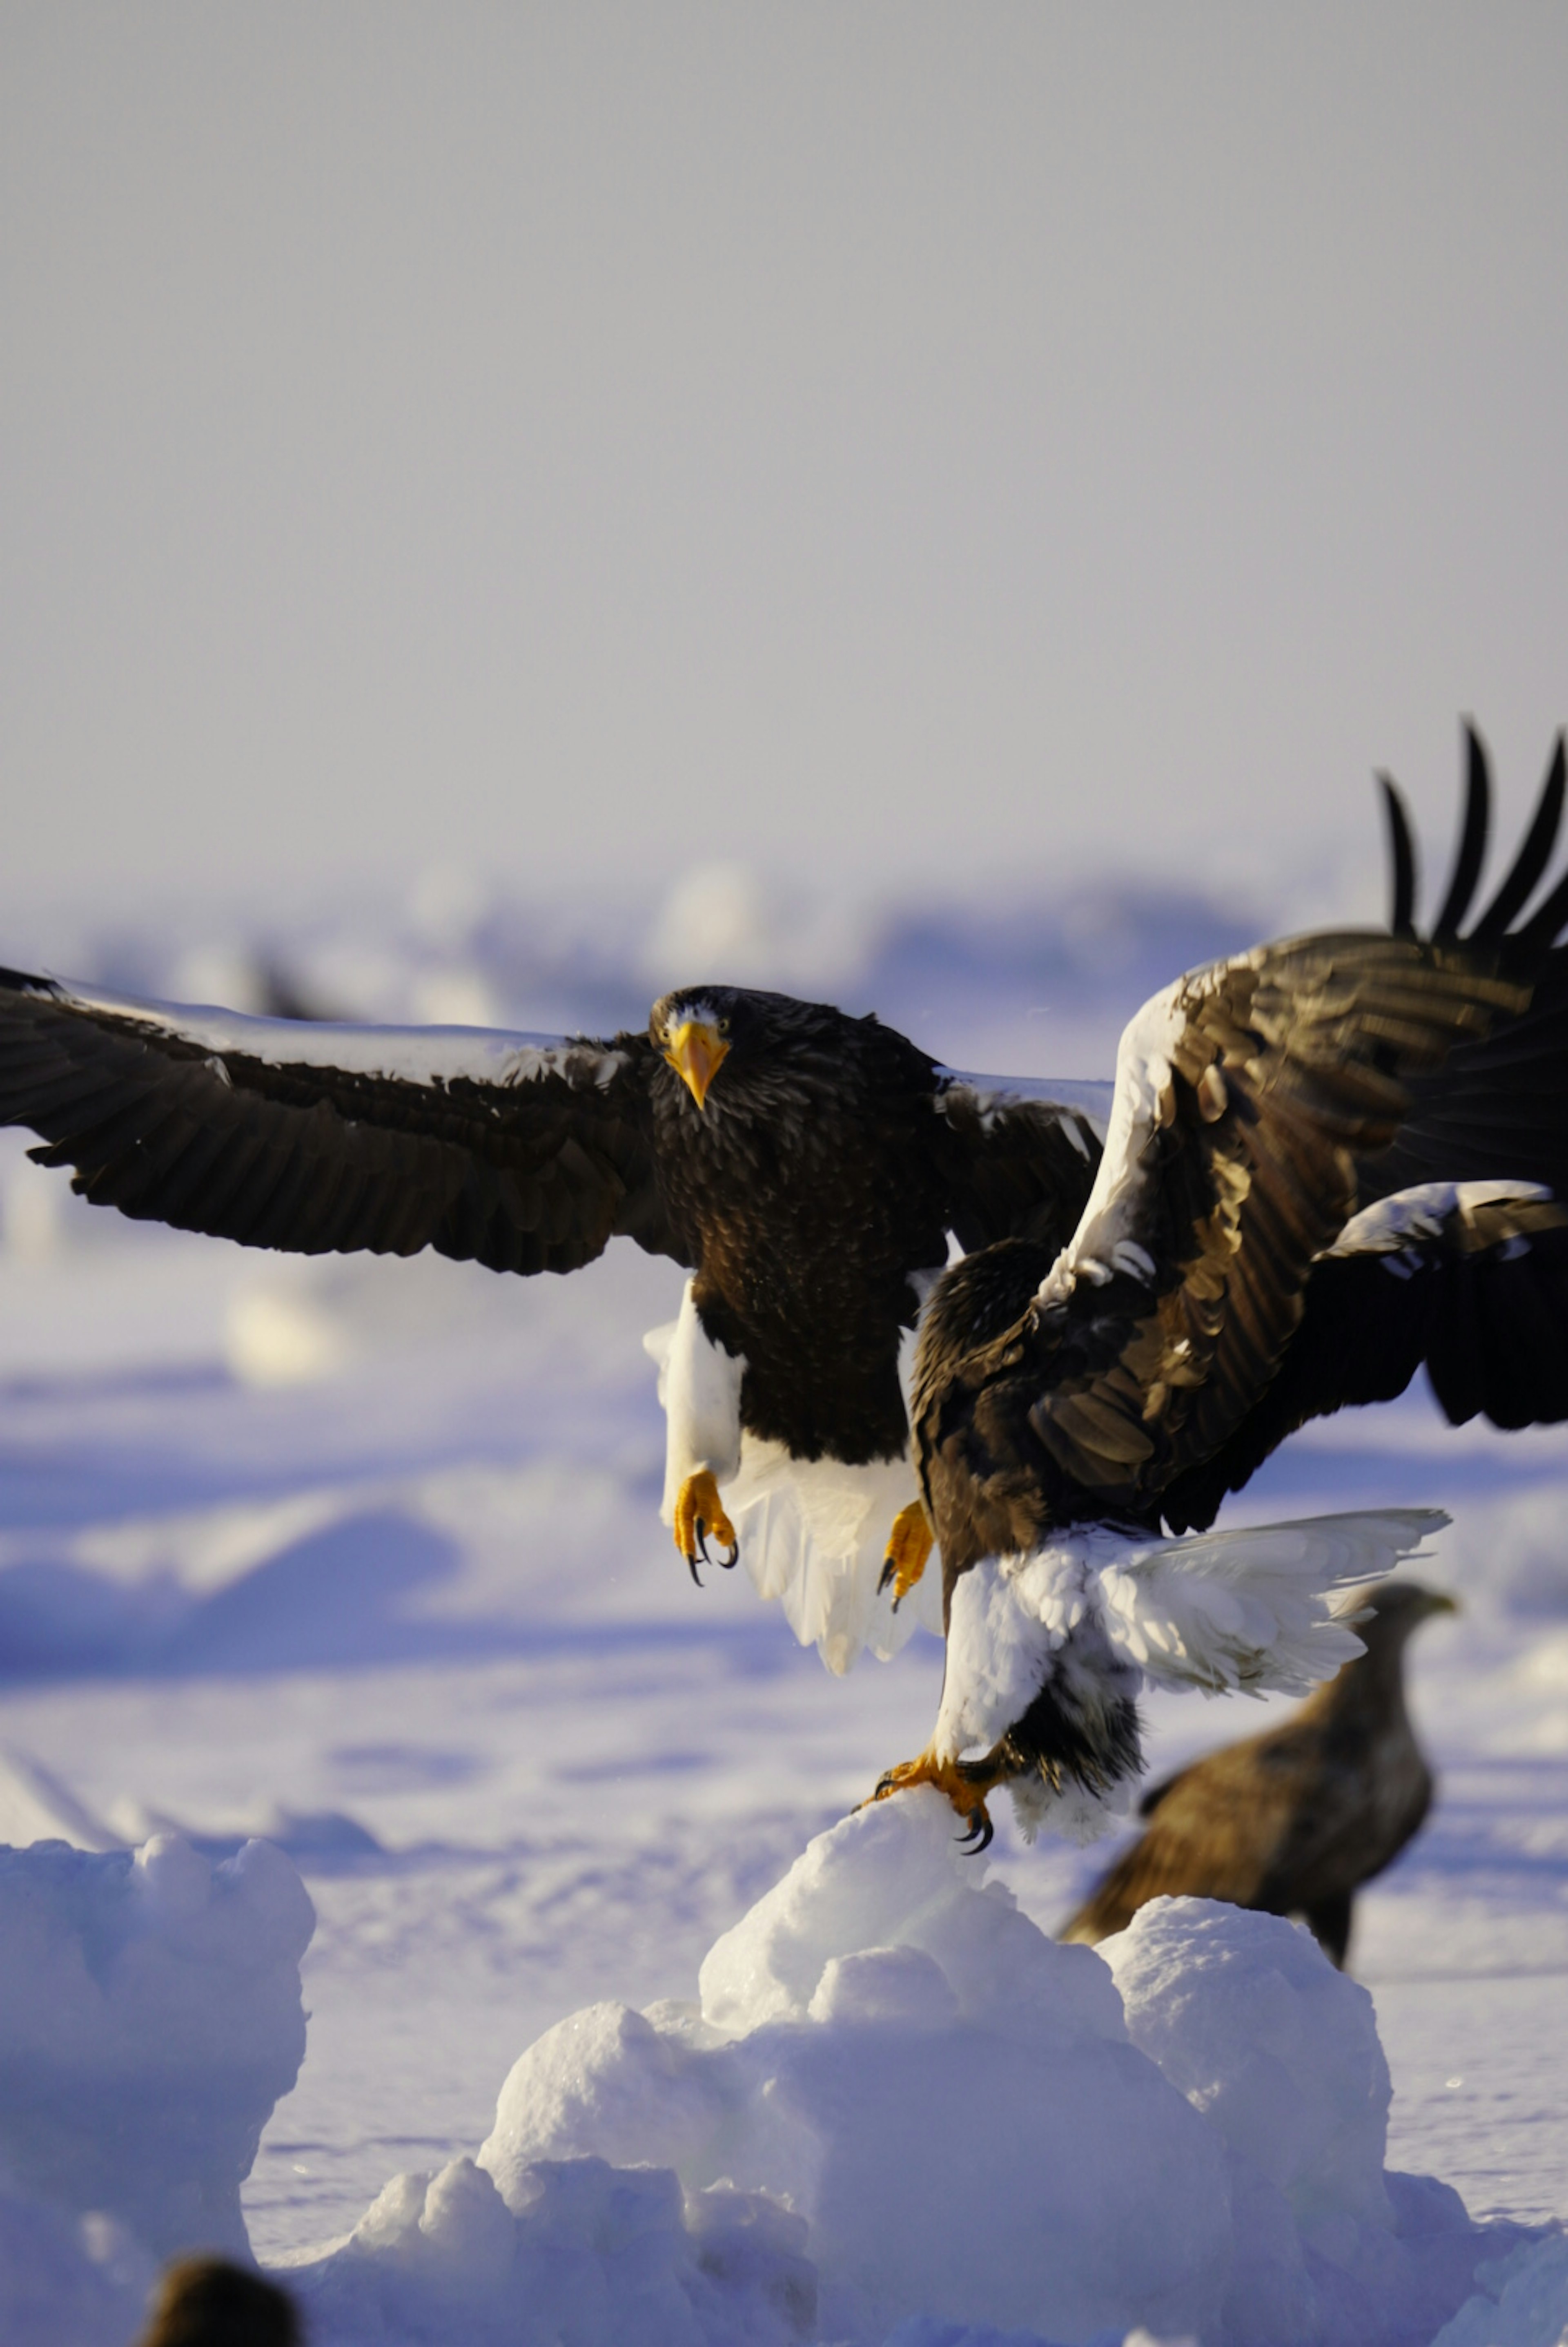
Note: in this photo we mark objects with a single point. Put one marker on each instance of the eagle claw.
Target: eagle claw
(698, 1510)
(908, 1546)
(965, 1785)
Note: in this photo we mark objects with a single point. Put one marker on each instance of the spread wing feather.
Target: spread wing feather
(1258, 1103)
(1498, 1108)
(1470, 1280)
(523, 1152)
(1243, 1094)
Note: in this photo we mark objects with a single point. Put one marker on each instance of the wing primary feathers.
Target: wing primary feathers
(1550, 915)
(1534, 856)
(1402, 849)
(1471, 850)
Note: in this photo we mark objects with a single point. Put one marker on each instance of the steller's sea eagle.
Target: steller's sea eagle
(1328, 1161)
(807, 1167)
(1295, 1821)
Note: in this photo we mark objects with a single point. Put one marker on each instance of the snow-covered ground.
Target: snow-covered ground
(365, 1557)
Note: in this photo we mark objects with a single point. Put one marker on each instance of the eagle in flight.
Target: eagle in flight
(1329, 1162)
(813, 1172)
(805, 1166)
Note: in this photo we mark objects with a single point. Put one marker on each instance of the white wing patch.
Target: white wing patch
(419, 1055)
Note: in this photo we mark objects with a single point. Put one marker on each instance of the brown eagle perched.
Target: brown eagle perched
(1328, 1161)
(806, 1166)
(1293, 1822)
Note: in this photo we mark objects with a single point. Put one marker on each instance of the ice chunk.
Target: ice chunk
(893, 1875)
(590, 2255)
(1278, 2050)
(149, 2019)
(1522, 2302)
(603, 2081)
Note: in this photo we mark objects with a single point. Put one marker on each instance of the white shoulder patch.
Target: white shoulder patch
(418, 1055)
(1104, 1236)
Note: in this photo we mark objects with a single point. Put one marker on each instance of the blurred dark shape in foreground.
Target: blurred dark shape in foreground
(208, 2302)
(1295, 1821)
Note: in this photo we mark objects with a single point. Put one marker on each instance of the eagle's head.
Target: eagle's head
(725, 1034)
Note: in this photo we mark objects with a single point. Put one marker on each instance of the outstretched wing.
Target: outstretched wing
(1245, 1095)
(1470, 1279)
(520, 1151)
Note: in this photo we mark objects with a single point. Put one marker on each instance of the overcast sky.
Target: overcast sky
(893, 443)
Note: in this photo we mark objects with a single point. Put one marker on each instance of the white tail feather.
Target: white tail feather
(813, 1532)
(1251, 1609)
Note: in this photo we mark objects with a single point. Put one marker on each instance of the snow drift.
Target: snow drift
(149, 2020)
(898, 2108)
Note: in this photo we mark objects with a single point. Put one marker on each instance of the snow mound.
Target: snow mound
(1522, 2301)
(1280, 2054)
(901, 2114)
(149, 2020)
(888, 2046)
(580, 2254)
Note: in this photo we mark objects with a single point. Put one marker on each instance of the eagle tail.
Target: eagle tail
(1252, 1610)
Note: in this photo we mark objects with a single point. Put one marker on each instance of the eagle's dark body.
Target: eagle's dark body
(813, 1182)
(1295, 1821)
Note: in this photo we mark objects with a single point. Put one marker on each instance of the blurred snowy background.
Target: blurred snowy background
(510, 508)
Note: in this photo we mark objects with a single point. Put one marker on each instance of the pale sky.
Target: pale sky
(896, 444)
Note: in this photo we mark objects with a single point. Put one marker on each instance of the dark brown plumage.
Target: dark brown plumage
(807, 1165)
(208, 2302)
(1295, 1821)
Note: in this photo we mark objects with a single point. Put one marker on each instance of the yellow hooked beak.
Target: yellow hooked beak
(696, 1052)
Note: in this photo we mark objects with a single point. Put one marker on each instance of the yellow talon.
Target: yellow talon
(965, 1783)
(910, 1544)
(699, 1511)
